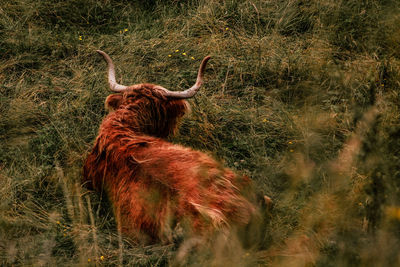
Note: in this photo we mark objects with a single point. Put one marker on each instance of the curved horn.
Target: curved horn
(111, 74)
(192, 90)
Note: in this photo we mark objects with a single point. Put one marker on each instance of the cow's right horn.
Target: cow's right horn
(192, 90)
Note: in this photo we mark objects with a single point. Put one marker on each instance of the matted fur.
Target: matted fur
(153, 184)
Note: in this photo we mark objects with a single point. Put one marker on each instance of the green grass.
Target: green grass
(302, 96)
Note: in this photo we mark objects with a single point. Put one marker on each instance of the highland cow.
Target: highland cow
(154, 185)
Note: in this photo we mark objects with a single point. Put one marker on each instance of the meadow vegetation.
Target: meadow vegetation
(302, 96)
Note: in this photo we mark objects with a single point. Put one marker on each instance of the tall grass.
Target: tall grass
(302, 96)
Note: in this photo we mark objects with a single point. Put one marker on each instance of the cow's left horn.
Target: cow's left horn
(114, 86)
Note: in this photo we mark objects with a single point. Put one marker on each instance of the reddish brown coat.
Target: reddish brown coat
(153, 184)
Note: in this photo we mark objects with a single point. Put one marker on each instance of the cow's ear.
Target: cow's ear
(113, 102)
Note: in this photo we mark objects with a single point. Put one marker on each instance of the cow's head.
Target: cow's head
(151, 109)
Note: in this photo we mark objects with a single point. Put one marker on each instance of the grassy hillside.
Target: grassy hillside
(302, 96)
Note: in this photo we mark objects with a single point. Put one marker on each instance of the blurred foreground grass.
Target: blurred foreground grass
(303, 96)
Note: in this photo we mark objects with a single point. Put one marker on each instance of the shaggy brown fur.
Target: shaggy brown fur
(154, 185)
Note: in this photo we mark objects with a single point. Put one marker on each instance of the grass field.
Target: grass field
(302, 96)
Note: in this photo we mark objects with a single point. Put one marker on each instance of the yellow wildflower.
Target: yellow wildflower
(89, 260)
(291, 150)
(125, 30)
(169, 55)
(193, 58)
(80, 37)
(290, 142)
(102, 257)
(177, 50)
(264, 120)
(226, 29)
(393, 212)
(184, 53)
